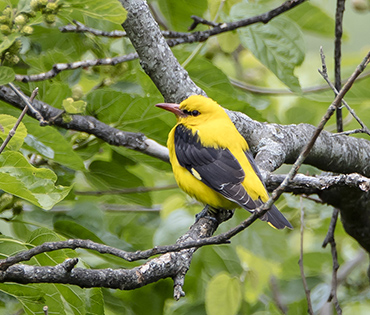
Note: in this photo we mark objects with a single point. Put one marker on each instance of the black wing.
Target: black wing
(217, 168)
(221, 171)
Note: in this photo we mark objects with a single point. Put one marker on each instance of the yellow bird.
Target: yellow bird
(211, 161)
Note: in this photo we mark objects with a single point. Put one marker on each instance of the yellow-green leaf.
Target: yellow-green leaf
(6, 75)
(110, 10)
(7, 122)
(259, 272)
(36, 185)
(223, 295)
(228, 41)
(74, 107)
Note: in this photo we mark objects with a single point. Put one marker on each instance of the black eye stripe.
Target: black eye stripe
(191, 113)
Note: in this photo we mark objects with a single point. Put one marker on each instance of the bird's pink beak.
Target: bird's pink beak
(171, 107)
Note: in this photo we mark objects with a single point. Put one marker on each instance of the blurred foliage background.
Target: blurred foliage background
(45, 170)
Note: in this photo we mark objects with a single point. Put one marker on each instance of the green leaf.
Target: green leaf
(178, 13)
(259, 273)
(36, 185)
(72, 229)
(10, 246)
(7, 122)
(48, 142)
(74, 107)
(31, 297)
(94, 301)
(223, 295)
(312, 19)
(74, 297)
(113, 175)
(6, 75)
(177, 223)
(110, 10)
(228, 41)
(129, 113)
(8, 41)
(279, 44)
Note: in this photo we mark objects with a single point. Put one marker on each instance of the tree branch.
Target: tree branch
(59, 67)
(171, 264)
(90, 125)
(303, 184)
(226, 27)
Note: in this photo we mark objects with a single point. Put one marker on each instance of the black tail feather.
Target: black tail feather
(276, 219)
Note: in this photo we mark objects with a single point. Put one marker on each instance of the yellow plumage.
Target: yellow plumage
(210, 148)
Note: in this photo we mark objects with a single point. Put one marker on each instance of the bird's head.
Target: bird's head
(194, 110)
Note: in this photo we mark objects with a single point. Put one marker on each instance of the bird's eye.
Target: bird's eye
(190, 113)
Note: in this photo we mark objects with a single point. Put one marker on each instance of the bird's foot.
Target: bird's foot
(216, 215)
(205, 213)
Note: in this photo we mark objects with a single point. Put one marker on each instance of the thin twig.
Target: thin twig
(306, 150)
(13, 130)
(200, 45)
(277, 92)
(324, 74)
(81, 28)
(277, 295)
(74, 65)
(331, 240)
(317, 200)
(25, 99)
(338, 55)
(337, 102)
(343, 273)
(352, 132)
(183, 38)
(301, 267)
(200, 20)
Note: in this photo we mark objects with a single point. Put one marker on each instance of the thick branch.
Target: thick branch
(277, 144)
(303, 184)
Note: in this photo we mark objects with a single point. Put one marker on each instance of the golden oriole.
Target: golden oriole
(211, 161)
